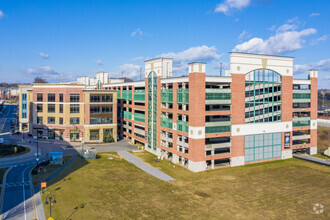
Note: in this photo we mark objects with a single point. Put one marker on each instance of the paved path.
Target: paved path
(312, 159)
(145, 167)
(323, 122)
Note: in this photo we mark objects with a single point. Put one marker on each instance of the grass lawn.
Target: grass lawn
(116, 189)
(8, 150)
(48, 170)
(323, 139)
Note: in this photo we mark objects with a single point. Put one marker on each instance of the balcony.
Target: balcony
(301, 96)
(217, 129)
(301, 121)
(167, 95)
(128, 115)
(139, 117)
(217, 96)
(183, 96)
(127, 95)
(166, 123)
(182, 126)
(139, 95)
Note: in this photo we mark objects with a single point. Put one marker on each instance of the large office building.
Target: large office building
(67, 111)
(256, 112)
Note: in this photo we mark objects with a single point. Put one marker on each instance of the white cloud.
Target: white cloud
(322, 65)
(49, 74)
(44, 55)
(228, 5)
(244, 35)
(130, 70)
(137, 33)
(1, 14)
(99, 62)
(320, 39)
(314, 14)
(280, 43)
(138, 59)
(200, 53)
(286, 27)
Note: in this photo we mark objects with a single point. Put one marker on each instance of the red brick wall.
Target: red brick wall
(287, 96)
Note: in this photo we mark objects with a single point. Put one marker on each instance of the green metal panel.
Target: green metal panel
(167, 95)
(217, 129)
(139, 95)
(127, 115)
(183, 96)
(139, 117)
(301, 123)
(166, 123)
(182, 126)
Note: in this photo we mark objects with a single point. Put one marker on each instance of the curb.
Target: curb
(3, 187)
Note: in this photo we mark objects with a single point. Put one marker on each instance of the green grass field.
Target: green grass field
(116, 189)
(323, 139)
(8, 150)
(47, 171)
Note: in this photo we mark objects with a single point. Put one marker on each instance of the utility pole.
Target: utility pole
(220, 69)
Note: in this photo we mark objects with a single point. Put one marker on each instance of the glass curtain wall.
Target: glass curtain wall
(263, 96)
(152, 110)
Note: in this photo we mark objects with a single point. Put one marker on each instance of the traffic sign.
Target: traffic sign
(43, 184)
(50, 218)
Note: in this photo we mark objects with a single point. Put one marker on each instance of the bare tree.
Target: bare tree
(39, 80)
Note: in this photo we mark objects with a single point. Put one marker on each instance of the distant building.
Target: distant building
(256, 112)
(67, 111)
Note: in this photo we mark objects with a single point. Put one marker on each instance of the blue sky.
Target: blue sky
(62, 40)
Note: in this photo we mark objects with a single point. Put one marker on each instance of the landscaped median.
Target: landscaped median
(2, 173)
(111, 188)
(9, 150)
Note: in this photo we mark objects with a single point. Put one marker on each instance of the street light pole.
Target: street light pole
(50, 203)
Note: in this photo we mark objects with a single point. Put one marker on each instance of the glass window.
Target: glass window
(74, 97)
(39, 120)
(263, 146)
(39, 107)
(106, 109)
(74, 120)
(107, 120)
(74, 108)
(51, 108)
(107, 98)
(107, 132)
(39, 97)
(94, 135)
(24, 97)
(95, 109)
(61, 108)
(51, 120)
(51, 97)
(263, 96)
(24, 115)
(23, 106)
(61, 97)
(94, 98)
(60, 120)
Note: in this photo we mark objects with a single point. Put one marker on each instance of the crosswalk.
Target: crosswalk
(16, 184)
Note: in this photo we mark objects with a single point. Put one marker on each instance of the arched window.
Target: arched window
(263, 96)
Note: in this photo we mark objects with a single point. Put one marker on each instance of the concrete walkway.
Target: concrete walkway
(312, 159)
(323, 122)
(145, 167)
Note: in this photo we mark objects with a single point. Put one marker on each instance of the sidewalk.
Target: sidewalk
(312, 159)
(145, 167)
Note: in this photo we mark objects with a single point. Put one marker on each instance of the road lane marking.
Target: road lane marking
(24, 192)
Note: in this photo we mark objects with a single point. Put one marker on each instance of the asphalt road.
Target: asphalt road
(6, 118)
(18, 195)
